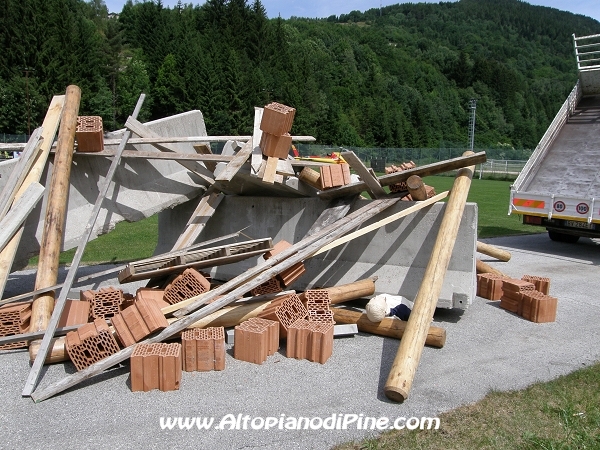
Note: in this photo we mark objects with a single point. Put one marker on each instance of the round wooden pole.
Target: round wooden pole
(311, 177)
(416, 188)
(482, 267)
(407, 359)
(494, 252)
(351, 291)
(57, 354)
(47, 273)
(390, 327)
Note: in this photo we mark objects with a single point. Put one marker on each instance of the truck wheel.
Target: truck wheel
(562, 237)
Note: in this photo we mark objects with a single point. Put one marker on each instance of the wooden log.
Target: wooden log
(481, 267)
(389, 326)
(57, 354)
(351, 291)
(49, 127)
(494, 252)
(407, 359)
(47, 273)
(10, 224)
(310, 177)
(231, 290)
(416, 187)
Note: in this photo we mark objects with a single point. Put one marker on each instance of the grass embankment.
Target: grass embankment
(562, 414)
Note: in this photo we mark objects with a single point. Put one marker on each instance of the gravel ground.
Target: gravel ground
(487, 348)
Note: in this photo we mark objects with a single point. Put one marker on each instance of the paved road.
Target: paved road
(487, 348)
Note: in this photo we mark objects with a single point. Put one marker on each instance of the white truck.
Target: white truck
(559, 187)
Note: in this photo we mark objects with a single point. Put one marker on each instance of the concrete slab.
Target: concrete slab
(140, 188)
(487, 349)
(397, 253)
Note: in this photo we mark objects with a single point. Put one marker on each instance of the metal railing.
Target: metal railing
(500, 167)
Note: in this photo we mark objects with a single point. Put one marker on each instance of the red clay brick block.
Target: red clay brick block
(271, 286)
(138, 321)
(542, 284)
(89, 134)
(277, 119)
(14, 319)
(321, 342)
(298, 339)
(255, 340)
(104, 303)
(91, 343)
(538, 307)
(291, 309)
(489, 285)
(155, 295)
(515, 285)
(511, 301)
(346, 173)
(326, 178)
(156, 366)
(399, 187)
(75, 313)
(276, 146)
(170, 367)
(203, 349)
(337, 175)
(189, 284)
(288, 276)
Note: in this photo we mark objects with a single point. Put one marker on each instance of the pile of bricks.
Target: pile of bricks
(276, 125)
(91, 343)
(14, 319)
(334, 175)
(187, 285)
(399, 187)
(156, 366)
(104, 303)
(203, 349)
(489, 285)
(288, 276)
(89, 134)
(310, 340)
(255, 340)
(137, 321)
(522, 297)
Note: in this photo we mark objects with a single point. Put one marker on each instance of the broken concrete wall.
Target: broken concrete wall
(140, 187)
(397, 253)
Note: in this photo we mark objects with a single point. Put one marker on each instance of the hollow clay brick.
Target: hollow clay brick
(90, 343)
(135, 323)
(321, 342)
(515, 285)
(170, 367)
(152, 294)
(277, 119)
(291, 309)
(254, 340)
(326, 178)
(104, 303)
(151, 314)
(136, 368)
(187, 285)
(14, 319)
(74, 313)
(276, 146)
(542, 284)
(122, 330)
(89, 134)
(337, 175)
(188, 350)
(346, 173)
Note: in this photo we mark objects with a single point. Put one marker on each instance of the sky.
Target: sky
(322, 9)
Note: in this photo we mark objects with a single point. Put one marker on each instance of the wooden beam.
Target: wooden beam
(205, 151)
(230, 291)
(20, 171)
(34, 373)
(142, 130)
(11, 223)
(481, 267)
(204, 211)
(397, 177)
(236, 163)
(270, 170)
(494, 252)
(205, 158)
(409, 353)
(257, 156)
(49, 127)
(416, 188)
(373, 187)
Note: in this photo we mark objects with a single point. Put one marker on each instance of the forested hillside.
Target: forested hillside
(401, 76)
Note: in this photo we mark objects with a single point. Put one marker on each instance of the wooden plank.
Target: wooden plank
(336, 209)
(404, 367)
(49, 128)
(16, 147)
(204, 211)
(230, 291)
(204, 150)
(397, 177)
(373, 187)
(20, 171)
(37, 335)
(236, 163)
(206, 159)
(36, 368)
(142, 130)
(270, 170)
(10, 224)
(381, 223)
(257, 156)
